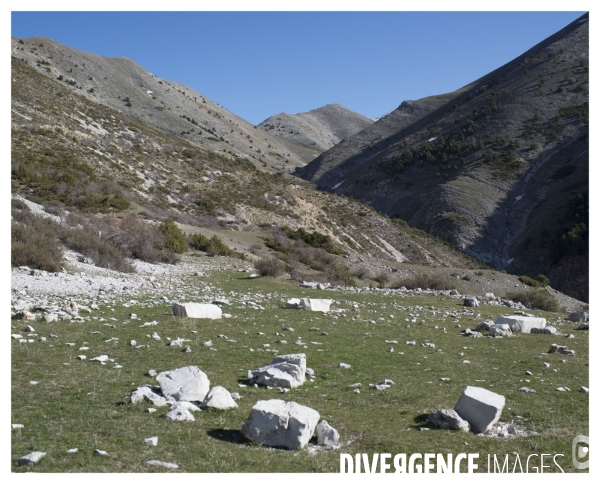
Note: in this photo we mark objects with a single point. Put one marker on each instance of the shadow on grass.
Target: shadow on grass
(227, 435)
(421, 420)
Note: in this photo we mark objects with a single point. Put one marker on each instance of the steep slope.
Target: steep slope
(319, 129)
(170, 106)
(72, 152)
(498, 168)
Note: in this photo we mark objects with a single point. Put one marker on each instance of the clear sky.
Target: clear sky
(256, 64)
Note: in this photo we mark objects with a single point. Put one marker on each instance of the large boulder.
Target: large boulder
(448, 419)
(471, 302)
(578, 317)
(309, 304)
(197, 310)
(480, 407)
(188, 384)
(521, 324)
(219, 398)
(287, 371)
(280, 424)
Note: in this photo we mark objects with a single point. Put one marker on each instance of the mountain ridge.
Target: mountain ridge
(318, 129)
(456, 168)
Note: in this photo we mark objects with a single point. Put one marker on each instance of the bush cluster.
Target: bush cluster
(213, 246)
(534, 299)
(436, 282)
(270, 266)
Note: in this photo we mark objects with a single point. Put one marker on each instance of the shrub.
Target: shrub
(103, 253)
(35, 244)
(362, 272)
(529, 281)
(339, 273)
(136, 238)
(218, 247)
(200, 242)
(543, 280)
(534, 299)
(175, 241)
(383, 278)
(270, 266)
(424, 281)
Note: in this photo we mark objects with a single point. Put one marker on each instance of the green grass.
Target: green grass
(82, 403)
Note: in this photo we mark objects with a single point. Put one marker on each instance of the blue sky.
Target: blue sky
(259, 63)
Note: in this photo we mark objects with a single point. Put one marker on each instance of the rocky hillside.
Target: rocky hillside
(319, 129)
(71, 152)
(499, 168)
(167, 105)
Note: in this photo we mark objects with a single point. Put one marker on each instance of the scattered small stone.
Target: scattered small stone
(151, 441)
(584, 389)
(345, 365)
(101, 452)
(73, 451)
(168, 465)
(526, 390)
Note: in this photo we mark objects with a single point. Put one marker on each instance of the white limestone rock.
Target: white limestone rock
(197, 310)
(179, 413)
(500, 330)
(277, 423)
(168, 465)
(326, 434)
(145, 393)
(480, 407)
(546, 330)
(50, 317)
(219, 398)
(483, 326)
(521, 324)
(471, 302)
(184, 384)
(448, 419)
(310, 304)
(150, 441)
(101, 358)
(32, 458)
(286, 371)
(293, 303)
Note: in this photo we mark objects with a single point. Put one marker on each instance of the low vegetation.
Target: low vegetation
(534, 298)
(270, 266)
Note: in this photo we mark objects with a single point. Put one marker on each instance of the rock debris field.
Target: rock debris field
(200, 366)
